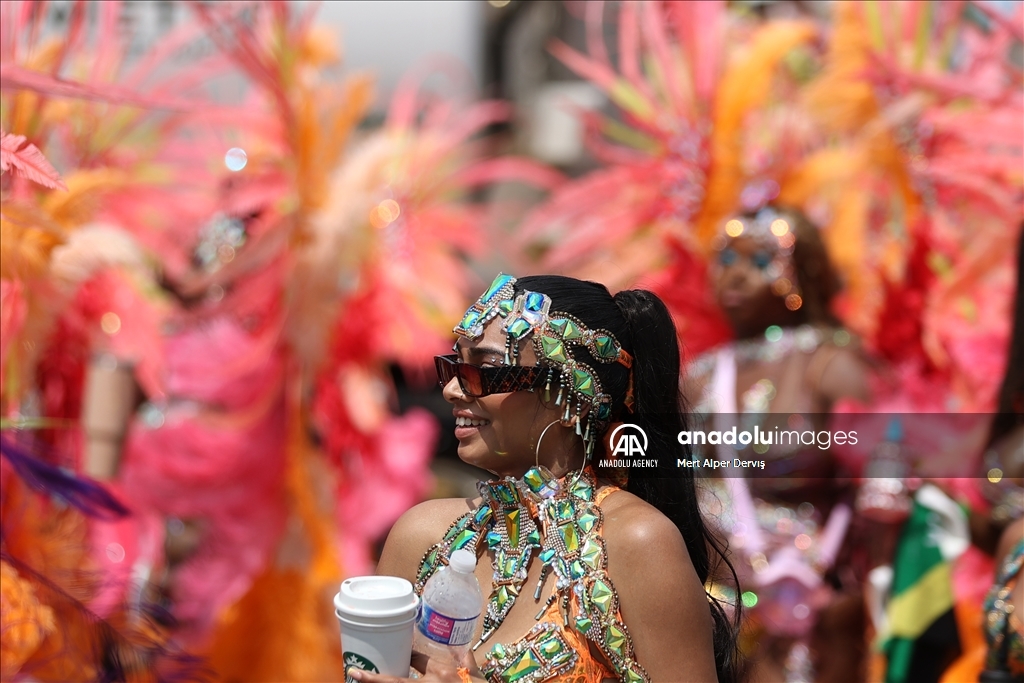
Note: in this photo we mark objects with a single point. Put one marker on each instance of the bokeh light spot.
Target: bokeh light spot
(779, 227)
(115, 552)
(110, 323)
(385, 213)
(236, 159)
(734, 228)
(782, 286)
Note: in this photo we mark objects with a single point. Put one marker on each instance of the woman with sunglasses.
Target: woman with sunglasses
(789, 364)
(589, 573)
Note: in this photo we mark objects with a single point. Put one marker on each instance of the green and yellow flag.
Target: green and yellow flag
(921, 637)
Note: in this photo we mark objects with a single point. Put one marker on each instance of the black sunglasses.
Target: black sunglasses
(476, 381)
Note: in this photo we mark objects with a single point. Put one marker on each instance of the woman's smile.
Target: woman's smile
(467, 424)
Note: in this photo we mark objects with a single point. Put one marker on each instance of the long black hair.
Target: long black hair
(643, 326)
(1010, 410)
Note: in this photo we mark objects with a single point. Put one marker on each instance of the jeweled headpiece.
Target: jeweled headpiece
(219, 240)
(772, 230)
(555, 336)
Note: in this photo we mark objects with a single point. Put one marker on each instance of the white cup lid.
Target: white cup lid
(375, 596)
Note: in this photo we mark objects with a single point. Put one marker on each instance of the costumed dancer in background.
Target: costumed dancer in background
(73, 285)
(791, 364)
(688, 75)
(247, 344)
(927, 198)
(227, 409)
(210, 440)
(55, 621)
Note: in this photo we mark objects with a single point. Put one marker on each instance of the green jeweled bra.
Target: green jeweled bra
(559, 520)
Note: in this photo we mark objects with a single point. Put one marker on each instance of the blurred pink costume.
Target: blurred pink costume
(214, 451)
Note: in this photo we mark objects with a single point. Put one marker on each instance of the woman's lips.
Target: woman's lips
(466, 432)
(466, 426)
(732, 299)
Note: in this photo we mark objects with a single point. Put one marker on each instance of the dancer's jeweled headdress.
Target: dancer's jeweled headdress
(219, 239)
(555, 337)
(771, 229)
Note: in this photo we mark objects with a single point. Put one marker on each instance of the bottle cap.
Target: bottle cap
(462, 561)
(894, 432)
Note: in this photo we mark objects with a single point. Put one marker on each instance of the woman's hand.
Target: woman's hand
(433, 672)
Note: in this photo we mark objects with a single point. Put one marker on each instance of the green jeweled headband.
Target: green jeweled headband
(555, 335)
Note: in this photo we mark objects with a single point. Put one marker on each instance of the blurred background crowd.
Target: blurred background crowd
(235, 234)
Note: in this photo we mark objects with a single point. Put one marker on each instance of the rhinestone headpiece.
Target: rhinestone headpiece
(219, 240)
(772, 230)
(555, 336)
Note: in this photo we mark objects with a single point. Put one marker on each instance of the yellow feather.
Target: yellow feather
(24, 116)
(85, 191)
(355, 98)
(745, 85)
(27, 236)
(841, 98)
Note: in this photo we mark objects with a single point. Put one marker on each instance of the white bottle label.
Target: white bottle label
(445, 630)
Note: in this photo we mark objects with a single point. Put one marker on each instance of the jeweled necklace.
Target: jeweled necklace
(560, 518)
(513, 537)
(507, 522)
(778, 343)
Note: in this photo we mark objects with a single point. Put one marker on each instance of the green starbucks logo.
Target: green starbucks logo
(356, 661)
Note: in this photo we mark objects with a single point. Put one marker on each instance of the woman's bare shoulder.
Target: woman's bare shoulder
(420, 527)
(631, 523)
(661, 598)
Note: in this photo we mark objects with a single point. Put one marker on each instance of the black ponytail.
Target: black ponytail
(644, 327)
(659, 412)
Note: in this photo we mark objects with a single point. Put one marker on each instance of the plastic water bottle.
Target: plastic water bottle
(449, 610)
(884, 495)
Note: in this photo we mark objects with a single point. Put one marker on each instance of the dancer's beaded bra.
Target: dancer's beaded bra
(560, 522)
(579, 634)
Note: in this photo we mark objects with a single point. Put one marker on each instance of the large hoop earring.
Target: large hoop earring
(536, 451)
(579, 475)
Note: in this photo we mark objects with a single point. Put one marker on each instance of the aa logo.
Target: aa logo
(628, 440)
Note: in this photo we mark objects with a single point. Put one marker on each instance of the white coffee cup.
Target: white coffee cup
(377, 615)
